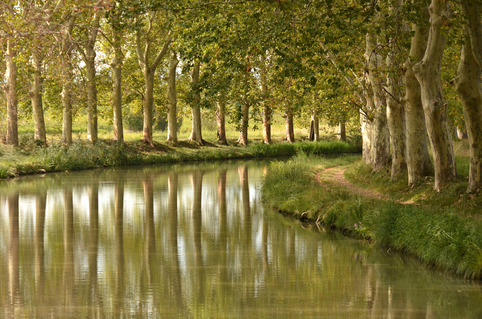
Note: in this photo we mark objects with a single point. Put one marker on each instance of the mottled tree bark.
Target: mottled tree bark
(89, 59)
(469, 89)
(314, 126)
(428, 73)
(196, 132)
(147, 104)
(394, 98)
(36, 95)
(290, 131)
(243, 132)
(10, 89)
(267, 123)
(267, 112)
(172, 98)
(342, 130)
(396, 124)
(221, 120)
(117, 87)
(149, 70)
(376, 124)
(67, 78)
(417, 156)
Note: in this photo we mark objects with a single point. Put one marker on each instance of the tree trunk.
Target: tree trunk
(149, 70)
(379, 135)
(435, 107)
(395, 115)
(147, 104)
(67, 79)
(89, 59)
(92, 133)
(314, 126)
(221, 120)
(342, 130)
(36, 97)
(417, 156)
(66, 98)
(266, 108)
(243, 133)
(469, 89)
(11, 94)
(172, 98)
(117, 88)
(290, 133)
(396, 123)
(196, 132)
(267, 123)
(366, 130)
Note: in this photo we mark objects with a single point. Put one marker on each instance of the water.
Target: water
(195, 242)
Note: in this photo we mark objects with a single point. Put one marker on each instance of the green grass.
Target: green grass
(29, 158)
(443, 230)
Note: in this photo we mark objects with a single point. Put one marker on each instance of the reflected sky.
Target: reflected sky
(194, 241)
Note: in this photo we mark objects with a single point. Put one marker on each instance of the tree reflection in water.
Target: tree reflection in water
(195, 242)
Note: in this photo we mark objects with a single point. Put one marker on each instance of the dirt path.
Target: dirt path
(335, 174)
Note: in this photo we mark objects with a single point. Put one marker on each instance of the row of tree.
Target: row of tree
(380, 60)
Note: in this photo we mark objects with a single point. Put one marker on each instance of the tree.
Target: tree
(376, 129)
(8, 32)
(88, 53)
(221, 119)
(66, 47)
(172, 99)
(40, 134)
(469, 88)
(117, 24)
(144, 55)
(265, 98)
(10, 89)
(394, 90)
(428, 75)
(196, 131)
(417, 157)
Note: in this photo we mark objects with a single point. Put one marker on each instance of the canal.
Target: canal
(194, 241)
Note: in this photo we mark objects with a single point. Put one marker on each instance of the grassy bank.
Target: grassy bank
(31, 159)
(441, 229)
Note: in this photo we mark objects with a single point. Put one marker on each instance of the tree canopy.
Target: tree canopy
(350, 61)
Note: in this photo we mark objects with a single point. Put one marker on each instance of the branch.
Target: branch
(141, 58)
(392, 96)
(163, 51)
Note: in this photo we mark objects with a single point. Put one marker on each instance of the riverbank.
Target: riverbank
(32, 159)
(443, 230)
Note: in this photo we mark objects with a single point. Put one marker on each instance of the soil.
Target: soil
(336, 175)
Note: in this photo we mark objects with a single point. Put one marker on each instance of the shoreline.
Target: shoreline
(104, 154)
(448, 240)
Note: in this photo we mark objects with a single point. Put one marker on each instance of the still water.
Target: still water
(195, 242)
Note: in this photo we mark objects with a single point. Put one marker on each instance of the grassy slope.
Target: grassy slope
(442, 229)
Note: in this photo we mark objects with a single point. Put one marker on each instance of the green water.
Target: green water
(195, 242)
